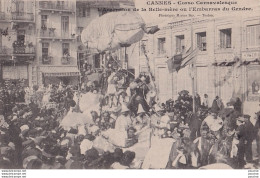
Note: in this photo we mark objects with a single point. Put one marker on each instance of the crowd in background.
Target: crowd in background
(34, 136)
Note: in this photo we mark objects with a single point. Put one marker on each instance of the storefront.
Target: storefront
(228, 77)
(15, 74)
(251, 62)
(55, 75)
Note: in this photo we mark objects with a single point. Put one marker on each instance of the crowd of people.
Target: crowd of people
(104, 125)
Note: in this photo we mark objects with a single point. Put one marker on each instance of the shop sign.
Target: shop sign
(225, 57)
(250, 55)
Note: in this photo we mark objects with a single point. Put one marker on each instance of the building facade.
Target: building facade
(56, 42)
(227, 64)
(17, 41)
(42, 44)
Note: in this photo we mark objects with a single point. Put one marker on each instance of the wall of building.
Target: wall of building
(20, 61)
(225, 81)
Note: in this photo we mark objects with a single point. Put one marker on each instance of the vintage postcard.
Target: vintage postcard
(129, 84)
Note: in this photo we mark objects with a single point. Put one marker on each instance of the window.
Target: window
(143, 46)
(81, 11)
(180, 45)
(65, 49)
(88, 12)
(45, 53)
(61, 5)
(225, 38)
(80, 29)
(44, 22)
(45, 49)
(19, 8)
(201, 41)
(253, 35)
(80, 56)
(65, 25)
(161, 46)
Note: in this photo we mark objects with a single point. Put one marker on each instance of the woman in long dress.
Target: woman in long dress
(111, 89)
(73, 118)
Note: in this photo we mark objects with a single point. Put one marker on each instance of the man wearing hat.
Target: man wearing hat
(241, 135)
(195, 124)
(250, 135)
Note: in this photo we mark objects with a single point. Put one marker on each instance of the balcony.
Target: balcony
(5, 51)
(22, 16)
(66, 60)
(51, 34)
(46, 60)
(17, 51)
(58, 6)
(17, 17)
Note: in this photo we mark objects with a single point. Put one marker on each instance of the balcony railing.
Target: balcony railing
(22, 16)
(5, 50)
(21, 50)
(58, 5)
(52, 34)
(17, 16)
(66, 60)
(46, 60)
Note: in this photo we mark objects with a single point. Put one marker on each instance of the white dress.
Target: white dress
(72, 119)
(158, 155)
(118, 135)
(111, 88)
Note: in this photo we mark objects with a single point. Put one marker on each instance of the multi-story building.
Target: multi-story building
(56, 42)
(17, 40)
(42, 42)
(227, 64)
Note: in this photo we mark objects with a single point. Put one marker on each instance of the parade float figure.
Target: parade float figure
(73, 118)
(104, 82)
(46, 97)
(121, 132)
(139, 91)
(111, 89)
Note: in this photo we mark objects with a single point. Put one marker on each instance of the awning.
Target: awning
(55, 71)
(224, 63)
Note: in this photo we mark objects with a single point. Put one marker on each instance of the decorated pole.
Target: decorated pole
(154, 86)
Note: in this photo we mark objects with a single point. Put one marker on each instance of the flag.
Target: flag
(174, 63)
(182, 60)
(189, 57)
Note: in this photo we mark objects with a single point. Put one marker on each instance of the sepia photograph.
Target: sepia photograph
(129, 84)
